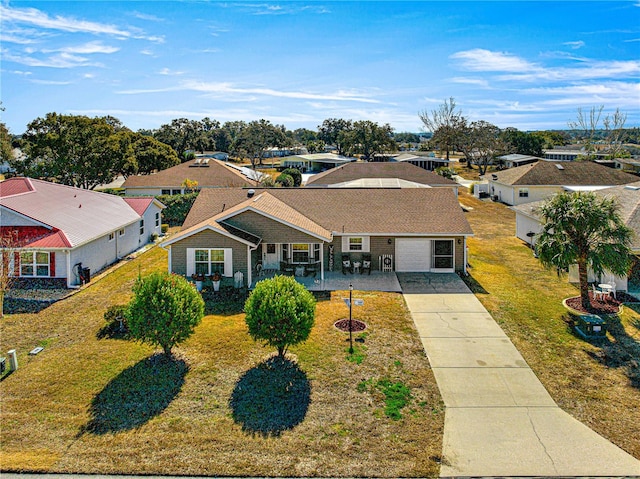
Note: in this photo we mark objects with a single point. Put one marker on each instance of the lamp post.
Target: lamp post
(350, 323)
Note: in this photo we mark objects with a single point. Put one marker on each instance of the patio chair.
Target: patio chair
(366, 264)
(613, 289)
(598, 293)
(346, 264)
(287, 268)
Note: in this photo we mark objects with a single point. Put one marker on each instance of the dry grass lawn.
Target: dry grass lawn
(599, 384)
(94, 405)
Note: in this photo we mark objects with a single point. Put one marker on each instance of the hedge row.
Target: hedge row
(177, 207)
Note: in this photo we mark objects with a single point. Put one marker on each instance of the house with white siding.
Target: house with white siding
(54, 230)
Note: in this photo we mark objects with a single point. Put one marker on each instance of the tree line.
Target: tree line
(87, 152)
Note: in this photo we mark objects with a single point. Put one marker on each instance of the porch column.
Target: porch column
(322, 261)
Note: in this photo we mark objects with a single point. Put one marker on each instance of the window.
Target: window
(141, 227)
(209, 261)
(176, 192)
(523, 192)
(316, 251)
(300, 252)
(285, 252)
(442, 257)
(157, 219)
(34, 263)
(111, 236)
(166, 192)
(121, 232)
(356, 244)
(271, 248)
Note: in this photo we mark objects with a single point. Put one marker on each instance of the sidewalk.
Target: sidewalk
(499, 420)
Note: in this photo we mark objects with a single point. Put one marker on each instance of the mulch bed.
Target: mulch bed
(607, 306)
(356, 325)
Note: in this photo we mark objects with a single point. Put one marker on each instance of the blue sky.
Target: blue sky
(529, 65)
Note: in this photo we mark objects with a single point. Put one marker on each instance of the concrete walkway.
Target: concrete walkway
(499, 420)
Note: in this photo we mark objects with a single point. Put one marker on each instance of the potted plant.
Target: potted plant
(215, 279)
(198, 278)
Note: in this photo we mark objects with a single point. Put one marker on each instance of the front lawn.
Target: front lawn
(221, 406)
(598, 384)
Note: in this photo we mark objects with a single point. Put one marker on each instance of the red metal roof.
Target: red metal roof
(35, 237)
(140, 204)
(15, 186)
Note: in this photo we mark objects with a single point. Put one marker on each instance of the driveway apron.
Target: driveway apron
(499, 419)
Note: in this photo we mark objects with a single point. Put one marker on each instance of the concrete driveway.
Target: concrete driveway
(499, 420)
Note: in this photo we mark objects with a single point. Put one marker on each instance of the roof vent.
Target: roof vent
(632, 187)
(494, 177)
(559, 166)
(250, 193)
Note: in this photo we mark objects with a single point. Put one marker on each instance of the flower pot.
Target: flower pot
(216, 285)
(199, 285)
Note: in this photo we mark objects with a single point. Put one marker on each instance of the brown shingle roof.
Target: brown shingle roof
(359, 170)
(215, 174)
(562, 173)
(360, 210)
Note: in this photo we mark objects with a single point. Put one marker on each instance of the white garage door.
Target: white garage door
(413, 254)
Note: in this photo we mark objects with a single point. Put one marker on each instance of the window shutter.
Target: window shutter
(52, 264)
(365, 244)
(228, 262)
(191, 261)
(345, 244)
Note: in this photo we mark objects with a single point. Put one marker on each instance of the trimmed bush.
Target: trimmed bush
(284, 180)
(295, 174)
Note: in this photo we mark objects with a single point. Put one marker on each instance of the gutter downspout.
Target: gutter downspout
(68, 260)
(249, 265)
(466, 272)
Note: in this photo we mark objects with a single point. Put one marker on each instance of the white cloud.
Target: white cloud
(587, 70)
(9, 38)
(85, 49)
(37, 18)
(62, 60)
(226, 88)
(575, 45)
(470, 81)
(479, 59)
(49, 82)
(167, 71)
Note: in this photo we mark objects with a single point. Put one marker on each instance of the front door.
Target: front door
(270, 258)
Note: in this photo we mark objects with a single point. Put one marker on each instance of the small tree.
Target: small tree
(8, 248)
(285, 180)
(164, 311)
(586, 229)
(295, 174)
(280, 312)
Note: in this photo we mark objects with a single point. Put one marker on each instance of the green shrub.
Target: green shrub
(177, 207)
(164, 227)
(280, 312)
(295, 174)
(268, 182)
(164, 311)
(472, 187)
(284, 180)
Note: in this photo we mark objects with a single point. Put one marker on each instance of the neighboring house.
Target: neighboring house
(570, 154)
(513, 160)
(216, 155)
(529, 224)
(426, 162)
(630, 165)
(208, 172)
(304, 230)
(375, 174)
(540, 180)
(56, 227)
(315, 162)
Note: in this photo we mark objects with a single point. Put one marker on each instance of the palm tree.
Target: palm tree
(586, 229)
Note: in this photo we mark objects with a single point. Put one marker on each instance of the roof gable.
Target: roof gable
(370, 170)
(209, 173)
(562, 173)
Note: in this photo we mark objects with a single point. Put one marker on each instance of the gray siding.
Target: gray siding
(207, 239)
(269, 230)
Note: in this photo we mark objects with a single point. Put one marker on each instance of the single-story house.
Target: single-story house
(569, 154)
(314, 162)
(429, 163)
(374, 174)
(311, 230)
(630, 165)
(53, 228)
(540, 180)
(208, 172)
(529, 224)
(515, 159)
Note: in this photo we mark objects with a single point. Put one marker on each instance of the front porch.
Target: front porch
(336, 281)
